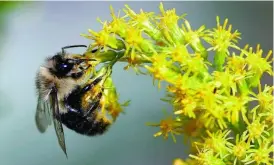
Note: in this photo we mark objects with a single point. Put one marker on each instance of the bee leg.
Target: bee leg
(92, 84)
(94, 105)
(94, 50)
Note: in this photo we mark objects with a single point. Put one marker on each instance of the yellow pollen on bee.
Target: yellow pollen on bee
(87, 97)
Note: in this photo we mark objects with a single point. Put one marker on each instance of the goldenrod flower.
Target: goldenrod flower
(196, 65)
(207, 157)
(211, 107)
(115, 109)
(179, 162)
(178, 53)
(169, 26)
(219, 142)
(161, 69)
(214, 117)
(193, 128)
(185, 99)
(193, 38)
(235, 107)
(256, 128)
(264, 98)
(109, 102)
(135, 42)
(226, 81)
(187, 106)
(118, 25)
(262, 154)
(237, 64)
(265, 103)
(185, 162)
(102, 39)
(241, 147)
(168, 126)
(143, 21)
(257, 64)
(222, 38)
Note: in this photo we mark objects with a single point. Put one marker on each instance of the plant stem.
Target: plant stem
(111, 55)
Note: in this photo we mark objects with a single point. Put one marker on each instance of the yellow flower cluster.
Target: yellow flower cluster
(214, 109)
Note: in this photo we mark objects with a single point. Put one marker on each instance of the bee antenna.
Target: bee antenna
(71, 46)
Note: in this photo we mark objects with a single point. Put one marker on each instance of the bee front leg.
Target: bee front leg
(95, 105)
(89, 86)
(95, 102)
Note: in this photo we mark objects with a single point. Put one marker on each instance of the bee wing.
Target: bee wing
(42, 115)
(57, 124)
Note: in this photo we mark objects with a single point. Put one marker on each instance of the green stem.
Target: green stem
(111, 55)
(219, 60)
(201, 49)
(117, 58)
(243, 87)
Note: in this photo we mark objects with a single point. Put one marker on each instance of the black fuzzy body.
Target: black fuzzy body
(83, 121)
(84, 125)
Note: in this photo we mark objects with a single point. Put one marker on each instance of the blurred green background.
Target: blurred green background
(31, 31)
(5, 8)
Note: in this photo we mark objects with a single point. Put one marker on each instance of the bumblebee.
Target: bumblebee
(66, 96)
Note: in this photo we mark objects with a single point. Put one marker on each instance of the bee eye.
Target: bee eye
(64, 67)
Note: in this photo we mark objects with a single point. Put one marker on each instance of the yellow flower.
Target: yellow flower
(227, 81)
(133, 36)
(179, 162)
(115, 109)
(222, 38)
(214, 117)
(179, 53)
(219, 142)
(210, 108)
(185, 162)
(187, 106)
(134, 41)
(196, 65)
(256, 128)
(193, 38)
(192, 128)
(235, 107)
(262, 154)
(256, 62)
(118, 25)
(257, 65)
(207, 157)
(184, 96)
(143, 21)
(168, 126)
(169, 17)
(241, 147)
(265, 103)
(102, 39)
(169, 26)
(109, 102)
(264, 98)
(161, 69)
(237, 64)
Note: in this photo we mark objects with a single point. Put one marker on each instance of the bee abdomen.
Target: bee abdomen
(84, 125)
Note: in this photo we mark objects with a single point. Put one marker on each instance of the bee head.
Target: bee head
(67, 66)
